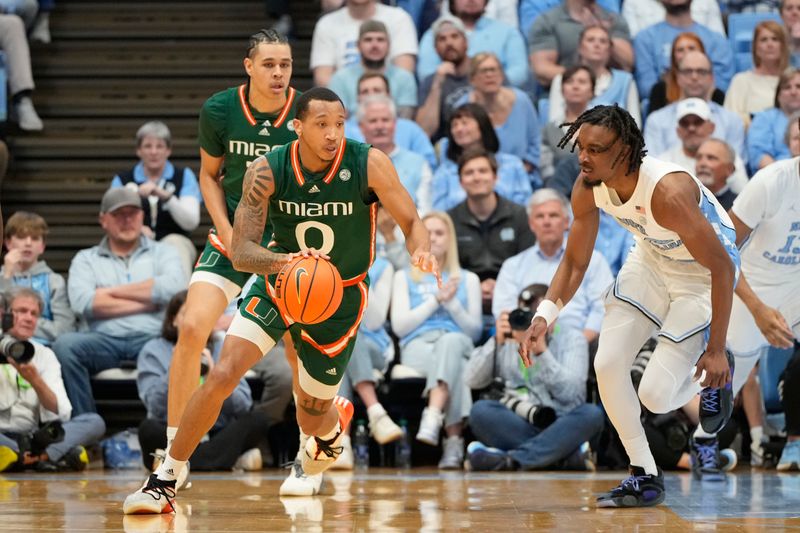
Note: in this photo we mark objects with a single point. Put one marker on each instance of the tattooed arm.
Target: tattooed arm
(247, 254)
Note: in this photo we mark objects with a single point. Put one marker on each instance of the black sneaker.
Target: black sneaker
(706, 460)
(638, 490)
(716, 405)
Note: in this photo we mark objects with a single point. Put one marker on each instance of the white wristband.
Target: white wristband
(547, 310)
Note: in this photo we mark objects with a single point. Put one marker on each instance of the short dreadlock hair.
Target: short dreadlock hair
(616, 119)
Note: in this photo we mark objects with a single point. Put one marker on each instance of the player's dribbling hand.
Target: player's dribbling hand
(715, 364)
(537, 329)
(774, 327)
(308, 252)
(426, 262)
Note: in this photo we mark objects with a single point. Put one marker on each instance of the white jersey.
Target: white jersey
(636, 215)
(770, 204)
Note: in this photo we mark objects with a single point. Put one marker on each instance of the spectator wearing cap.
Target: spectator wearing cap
(334, 43)
(695, 127)
(483, 35)
(119, 289)
(715, 168)
(373, 45)
(439, 92)
(696, 80)
(170, 194)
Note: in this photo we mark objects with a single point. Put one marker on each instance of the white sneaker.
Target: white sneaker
(345, 459)
(154, 497)
(249, 461)
(384, 430)
(182, 483)
(756, 454)
(453, 454)
(26, 116)
(318, 455)
(299, 483)
(430, 426)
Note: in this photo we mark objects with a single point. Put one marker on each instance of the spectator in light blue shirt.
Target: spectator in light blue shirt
(653, 46)
(766, 136)
(119, 288)
(408, 134)
(549, 218)
(513, 116)
(484, 35)
(469, 127)
(373, 45)
(696, 80)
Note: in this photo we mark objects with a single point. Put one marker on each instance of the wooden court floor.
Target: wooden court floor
(385, 500)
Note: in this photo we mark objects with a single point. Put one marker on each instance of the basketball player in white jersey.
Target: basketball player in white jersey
(678, 280)
(766, 307)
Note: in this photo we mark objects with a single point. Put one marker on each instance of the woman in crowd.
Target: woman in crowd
(437, 328)
(470, 127)
(754, 90)
(766, 141)
(612, 86)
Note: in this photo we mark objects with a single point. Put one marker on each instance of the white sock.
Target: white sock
(171, 432)
(639, 453)
(757, 435)
(374, 412)
(335, 431)
(170, 469)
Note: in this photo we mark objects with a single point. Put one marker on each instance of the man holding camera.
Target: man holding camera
(35, 426)
(535, 417)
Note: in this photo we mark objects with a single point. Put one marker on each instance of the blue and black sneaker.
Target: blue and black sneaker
(716, 405)
(706, 460)
(638, 490)
(485, 458)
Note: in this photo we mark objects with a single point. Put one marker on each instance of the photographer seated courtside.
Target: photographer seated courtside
(537, 417)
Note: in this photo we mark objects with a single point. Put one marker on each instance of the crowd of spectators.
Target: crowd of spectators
(469, 100)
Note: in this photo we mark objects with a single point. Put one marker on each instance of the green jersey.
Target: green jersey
(230, 128)
(333, 211)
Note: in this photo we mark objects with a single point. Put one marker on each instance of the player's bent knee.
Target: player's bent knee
(656, 399)
(222, 379)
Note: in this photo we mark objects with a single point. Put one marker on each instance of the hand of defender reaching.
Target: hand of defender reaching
(715, 364)
(533, 334)
(774, 327)
(427, 262)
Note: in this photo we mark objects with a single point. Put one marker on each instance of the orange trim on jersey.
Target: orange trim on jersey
(271, 291)
(215, 241)
(335, 348)
(245, 108)
(286, 108)
(294, 152)
(336, 162)
(354, 281)
(373, 226)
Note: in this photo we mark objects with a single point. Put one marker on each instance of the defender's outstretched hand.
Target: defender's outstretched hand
(425, 261)
(537, 329)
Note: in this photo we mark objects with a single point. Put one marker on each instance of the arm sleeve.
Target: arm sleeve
(469, 320)
(480, 368)
(380, 295)
(152, 379)
(751, 204)
(566, 375)
(425, 190)
(51, 375)
(516, 58)
(404, 318)
(169, 275)
(185, 210)
(63, 317)
(81, 284)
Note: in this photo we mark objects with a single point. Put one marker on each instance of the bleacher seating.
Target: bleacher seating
(740, 36)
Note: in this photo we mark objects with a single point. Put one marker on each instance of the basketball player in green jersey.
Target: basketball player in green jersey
(236, 126)
(320, 193)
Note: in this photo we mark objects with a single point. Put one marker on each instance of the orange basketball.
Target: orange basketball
(309, 289)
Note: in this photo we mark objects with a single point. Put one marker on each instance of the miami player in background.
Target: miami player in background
(319, 193)
(236, 126)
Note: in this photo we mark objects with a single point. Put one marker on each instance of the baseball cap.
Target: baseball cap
(441, 22)
(693, 106)
(372, 25)
(118, 197)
